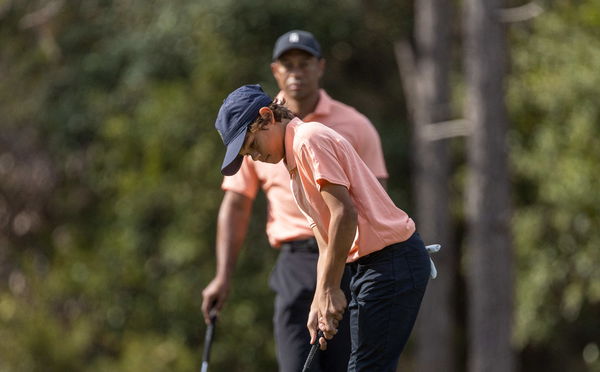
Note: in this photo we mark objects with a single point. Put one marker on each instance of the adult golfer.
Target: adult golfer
(356, 224)
(297, 67)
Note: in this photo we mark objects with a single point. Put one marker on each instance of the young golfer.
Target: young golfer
(354, 220)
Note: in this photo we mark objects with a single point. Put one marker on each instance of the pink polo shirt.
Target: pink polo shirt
(285, 222)
(316, 153)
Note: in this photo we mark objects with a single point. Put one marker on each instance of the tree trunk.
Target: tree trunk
(426, 81)
(490, 281)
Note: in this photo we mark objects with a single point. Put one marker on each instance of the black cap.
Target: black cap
(297, 39)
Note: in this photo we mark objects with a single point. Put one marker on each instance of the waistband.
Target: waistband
(305, 245)
(413, 243)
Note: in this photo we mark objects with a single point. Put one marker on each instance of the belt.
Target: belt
(305, 245)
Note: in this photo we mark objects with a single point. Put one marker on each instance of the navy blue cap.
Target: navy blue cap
(238, 110)
(296, 39)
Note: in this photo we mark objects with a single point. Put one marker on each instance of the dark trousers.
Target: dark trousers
(387, 287)
(294, 280)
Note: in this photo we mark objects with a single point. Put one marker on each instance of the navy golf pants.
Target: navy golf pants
(386, 288)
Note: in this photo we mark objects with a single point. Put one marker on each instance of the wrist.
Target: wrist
(223, 277)
(327, 288)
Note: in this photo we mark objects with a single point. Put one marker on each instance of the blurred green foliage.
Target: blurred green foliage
(109, 182)
(554, 93)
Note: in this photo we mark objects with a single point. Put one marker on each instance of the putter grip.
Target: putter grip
(312, 352)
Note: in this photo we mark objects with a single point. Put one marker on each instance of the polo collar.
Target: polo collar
(323, 106)
(290, 133)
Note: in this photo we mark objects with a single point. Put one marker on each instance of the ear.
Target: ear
(267, 114)
(321, 67)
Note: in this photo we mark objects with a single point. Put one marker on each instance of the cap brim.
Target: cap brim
(233, 159)
(309, 50)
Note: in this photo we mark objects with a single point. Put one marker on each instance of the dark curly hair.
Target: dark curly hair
(279, 111)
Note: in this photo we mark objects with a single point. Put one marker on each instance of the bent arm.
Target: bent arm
(342, 230)
(330, 302)
(232, 225)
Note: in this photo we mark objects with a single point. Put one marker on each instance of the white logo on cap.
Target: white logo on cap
(294, 37)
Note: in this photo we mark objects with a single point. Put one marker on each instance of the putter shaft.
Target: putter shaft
(311, 354)
(208, 339)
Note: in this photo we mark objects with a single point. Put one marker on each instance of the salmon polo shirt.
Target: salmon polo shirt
(285, 222)
(315, 153)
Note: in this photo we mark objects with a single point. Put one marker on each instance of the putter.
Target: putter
(208, 339)
(312, 352)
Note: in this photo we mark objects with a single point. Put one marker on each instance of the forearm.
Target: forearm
(322, 252)
(232, 226)
(332, 259)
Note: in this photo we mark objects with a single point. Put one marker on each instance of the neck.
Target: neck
(304, 106)
(284, 123)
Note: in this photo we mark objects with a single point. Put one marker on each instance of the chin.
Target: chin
(296, 93)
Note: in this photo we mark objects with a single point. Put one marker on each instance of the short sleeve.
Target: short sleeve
(244, 182)
(321, 158)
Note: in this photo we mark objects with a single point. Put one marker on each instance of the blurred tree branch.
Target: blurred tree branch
(520, 13)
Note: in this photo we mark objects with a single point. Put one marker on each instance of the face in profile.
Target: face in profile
(265, 144)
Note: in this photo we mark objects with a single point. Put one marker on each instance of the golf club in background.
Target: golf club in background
(311, 354)
(208, 339)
